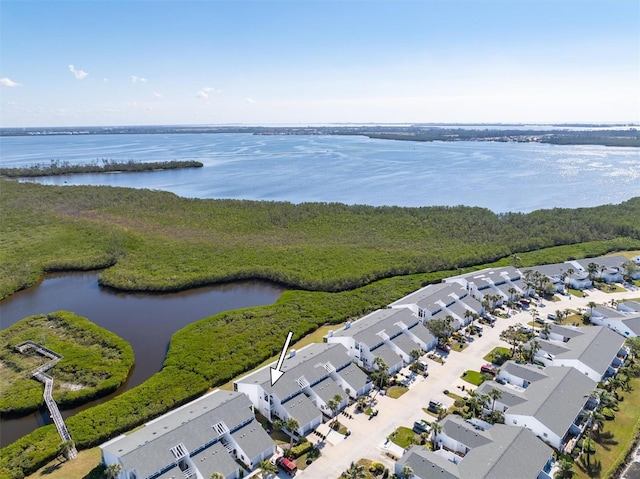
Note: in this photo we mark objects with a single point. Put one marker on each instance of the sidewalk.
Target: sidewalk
(368, 436)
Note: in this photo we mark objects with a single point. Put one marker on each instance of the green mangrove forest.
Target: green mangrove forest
(340, 261)
(95, 362)
(104, 165)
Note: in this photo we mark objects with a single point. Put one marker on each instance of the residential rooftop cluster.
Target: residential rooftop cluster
(544, 405)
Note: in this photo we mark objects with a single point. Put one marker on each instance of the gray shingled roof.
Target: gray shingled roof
(421, 331)
(366, 330)
(212, 459)
(608, 261)
(457, 428)
(510, 396)
(509, 452)
(608, 312)
(556, 400)
(387, 355)
(148, 450)
(527, 372)
(252, 439)
(596, 347)
(551, 270)
(327, 389)
(635, 305)
(405, 343)
(458, 309)
(514, 452)
(565, 331)
(302, 409)
(633, 323)
(428, 465)
(425, 296)
(354, 376)
(472, 303)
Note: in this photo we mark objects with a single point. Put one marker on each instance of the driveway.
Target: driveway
(368, 436)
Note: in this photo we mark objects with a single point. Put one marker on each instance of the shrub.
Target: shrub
(300, 449)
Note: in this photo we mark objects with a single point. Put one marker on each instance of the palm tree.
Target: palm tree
(592, 269)
(591, 306)
(292, 426)
(534, 347)
(436, 428)
(219, 475)
(112, 471)
(494, 395)
(268, 468)
(565, 469)
(361, 402)
(406, 473)
(515, 260)
(355, 471)
(546, 329)
(415, 354)
(334, 405)
(381, 374)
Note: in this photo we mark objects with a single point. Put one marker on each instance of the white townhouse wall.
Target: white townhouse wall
(440, 300)
(193, 441)
(499, 452)
(609, 267)
(595, 351)
(625, 321)
(312, 376)
(390, 334)
(555, 273)
(491, 281)
(628, 306)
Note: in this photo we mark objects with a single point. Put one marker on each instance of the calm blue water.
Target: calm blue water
(352, 170)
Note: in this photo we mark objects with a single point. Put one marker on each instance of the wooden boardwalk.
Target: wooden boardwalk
(41, 375)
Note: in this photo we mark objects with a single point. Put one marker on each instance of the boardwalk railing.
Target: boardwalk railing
(40, 374)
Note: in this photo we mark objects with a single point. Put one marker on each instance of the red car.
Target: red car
(487, 368)
(288, 466)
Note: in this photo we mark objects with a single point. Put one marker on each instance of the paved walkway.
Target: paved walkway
(368, 436)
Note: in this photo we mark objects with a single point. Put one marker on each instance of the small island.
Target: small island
(94, 362)
(58, 168)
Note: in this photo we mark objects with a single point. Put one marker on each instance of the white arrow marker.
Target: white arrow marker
(275, 372)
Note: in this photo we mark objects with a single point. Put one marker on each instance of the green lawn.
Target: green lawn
(403, 437)
(575, 292)
(491, 357)
(617, 436)
(473, 377)
(394, 392)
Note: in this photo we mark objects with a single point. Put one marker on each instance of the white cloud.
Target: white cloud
(158, 95)
(204, 92)
(250, 100)
(8, 82)
(135, 79)
(79, 74)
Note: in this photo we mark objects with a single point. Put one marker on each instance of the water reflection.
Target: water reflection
(146, 321)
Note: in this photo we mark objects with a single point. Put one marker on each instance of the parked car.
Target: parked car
(435, 407)
(422, 365)
(421, 426)
(551, 316)
(443, 347)
(489, 369)
(288, 466)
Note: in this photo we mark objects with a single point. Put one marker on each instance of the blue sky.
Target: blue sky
(94, 62)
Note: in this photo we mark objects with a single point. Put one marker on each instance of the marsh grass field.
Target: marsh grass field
(340, 263)
(94, 362)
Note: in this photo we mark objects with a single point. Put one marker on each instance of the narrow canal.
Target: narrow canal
(146, 321)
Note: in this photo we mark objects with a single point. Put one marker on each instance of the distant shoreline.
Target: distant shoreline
(622, 135)
(57, 168)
